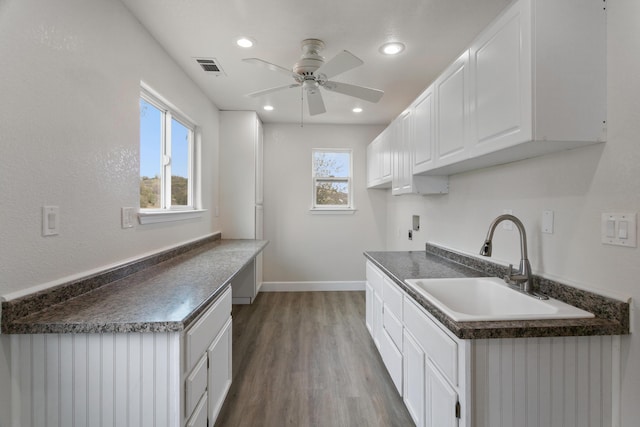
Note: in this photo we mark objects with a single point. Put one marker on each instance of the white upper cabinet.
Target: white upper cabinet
(423, 131)
(452, 116)
(538, 84)
(403, 143)
(379, 161)
(532, 83)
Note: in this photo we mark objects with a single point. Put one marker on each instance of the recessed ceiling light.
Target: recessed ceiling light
(245, 42)
(268, 107)
(357, 110)
(392, 48)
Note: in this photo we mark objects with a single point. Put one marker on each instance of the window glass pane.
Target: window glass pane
(150, 155)
(179, 164)
(332, 193)
(331, 164)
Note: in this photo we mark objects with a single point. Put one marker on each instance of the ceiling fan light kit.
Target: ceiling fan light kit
(311, 73)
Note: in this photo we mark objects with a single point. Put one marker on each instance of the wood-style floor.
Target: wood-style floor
(306, 359)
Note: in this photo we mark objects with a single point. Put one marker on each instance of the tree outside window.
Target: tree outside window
(332, 170)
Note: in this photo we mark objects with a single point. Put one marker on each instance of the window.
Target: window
(167, 161)
(332, 189)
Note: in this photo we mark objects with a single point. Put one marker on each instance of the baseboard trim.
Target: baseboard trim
(312, 286)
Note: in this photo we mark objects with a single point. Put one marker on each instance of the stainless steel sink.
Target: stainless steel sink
(490, 298)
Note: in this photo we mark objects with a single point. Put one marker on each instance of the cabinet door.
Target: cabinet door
(452, 116)
(199, 416)
(441, 399)
(377, 319)
(372, 164)
(423, 132)
(392, 359)
(502, 91)
(369, 307)
(219, 371)
(259, 163)
(414, 393)
(384, 153)
(402, 165)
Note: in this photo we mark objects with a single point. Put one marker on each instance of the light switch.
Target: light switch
(623, 229)
(619, 229)
(611, 228)
(50, 220)
(127, 216)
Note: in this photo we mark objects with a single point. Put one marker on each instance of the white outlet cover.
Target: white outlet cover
(547, 222)
(628, 218)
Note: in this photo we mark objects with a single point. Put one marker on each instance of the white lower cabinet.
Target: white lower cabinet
(207, 362)
(442, 404)
(507, 382)
(414, 390)
(137, 379)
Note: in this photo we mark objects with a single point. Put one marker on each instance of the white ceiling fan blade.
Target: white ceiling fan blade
(270, 66)
(273, 89)
(368, 94)
(344, 61)
(316, 104)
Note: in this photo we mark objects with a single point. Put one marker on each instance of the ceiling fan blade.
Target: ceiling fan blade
(368, 94)
(273, 89)
(270, 66)
(344, 61)
(316, 104)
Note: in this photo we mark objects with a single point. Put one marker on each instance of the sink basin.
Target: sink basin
(473, 299)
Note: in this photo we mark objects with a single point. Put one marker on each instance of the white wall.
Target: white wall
(577, 185)
(305, 247)
(69, 136)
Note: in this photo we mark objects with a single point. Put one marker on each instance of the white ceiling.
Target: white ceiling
(434, 32)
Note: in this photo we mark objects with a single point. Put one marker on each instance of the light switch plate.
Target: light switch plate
(50, 220)
(615, 226)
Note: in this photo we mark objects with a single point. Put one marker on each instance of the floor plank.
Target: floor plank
(306, 359)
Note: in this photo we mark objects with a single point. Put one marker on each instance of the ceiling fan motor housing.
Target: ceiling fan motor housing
(311, 59)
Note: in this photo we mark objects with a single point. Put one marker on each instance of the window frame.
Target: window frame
(318, 208)
(167, 211)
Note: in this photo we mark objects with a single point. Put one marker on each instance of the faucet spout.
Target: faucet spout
(523, 275)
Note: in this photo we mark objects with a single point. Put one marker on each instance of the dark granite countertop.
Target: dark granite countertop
(157, 294)
(612, 316)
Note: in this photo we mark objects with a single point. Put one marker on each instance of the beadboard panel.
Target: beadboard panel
(538, 382)
(66, 380)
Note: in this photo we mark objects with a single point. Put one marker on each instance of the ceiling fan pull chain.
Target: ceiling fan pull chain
(301, 106)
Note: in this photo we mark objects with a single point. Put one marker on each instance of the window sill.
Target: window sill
(154, 217)
(328, 211)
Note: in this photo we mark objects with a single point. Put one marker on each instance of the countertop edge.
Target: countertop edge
(21, 316)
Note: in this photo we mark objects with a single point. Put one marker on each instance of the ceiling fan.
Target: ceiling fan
(311, 73)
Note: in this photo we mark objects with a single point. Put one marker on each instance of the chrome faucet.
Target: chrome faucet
(523, 276)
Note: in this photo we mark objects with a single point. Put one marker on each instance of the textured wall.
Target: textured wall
(69, 121)
(69, 137)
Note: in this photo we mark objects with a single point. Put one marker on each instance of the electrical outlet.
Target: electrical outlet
(410, 234)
